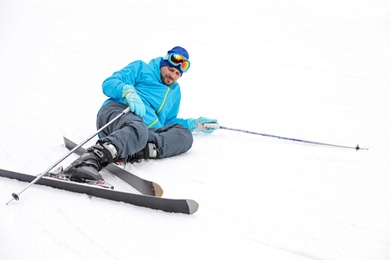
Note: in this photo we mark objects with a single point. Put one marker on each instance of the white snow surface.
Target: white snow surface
(313, 70)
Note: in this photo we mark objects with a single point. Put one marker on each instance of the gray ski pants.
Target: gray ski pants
(130, 134)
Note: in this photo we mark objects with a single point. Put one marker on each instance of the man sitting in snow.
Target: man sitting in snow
(152, 128)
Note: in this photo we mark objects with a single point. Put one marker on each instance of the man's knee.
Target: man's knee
(186, 135)
(139, 131)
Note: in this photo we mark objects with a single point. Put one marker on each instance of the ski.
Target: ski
(185, 206)
(144, 186)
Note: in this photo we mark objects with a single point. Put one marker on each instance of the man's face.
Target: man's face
(169, 75)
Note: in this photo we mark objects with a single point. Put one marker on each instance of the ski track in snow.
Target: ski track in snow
(302, 69)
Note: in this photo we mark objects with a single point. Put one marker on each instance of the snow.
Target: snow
(314, 70)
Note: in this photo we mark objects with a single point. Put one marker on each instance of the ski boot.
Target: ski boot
(87, 167)
(149, 152)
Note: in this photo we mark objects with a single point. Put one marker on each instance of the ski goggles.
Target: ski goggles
(177, 59)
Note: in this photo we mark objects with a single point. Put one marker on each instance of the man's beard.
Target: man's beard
(164, 80)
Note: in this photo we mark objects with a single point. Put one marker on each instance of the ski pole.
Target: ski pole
(15, 196)
(357, 147)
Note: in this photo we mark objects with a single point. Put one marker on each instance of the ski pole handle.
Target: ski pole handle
(211, 125)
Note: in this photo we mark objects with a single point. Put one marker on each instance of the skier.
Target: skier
(152, 129)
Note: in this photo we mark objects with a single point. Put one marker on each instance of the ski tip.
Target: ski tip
(193, 206)
(158, 191)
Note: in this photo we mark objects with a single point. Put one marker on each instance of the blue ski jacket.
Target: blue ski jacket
(162, 102)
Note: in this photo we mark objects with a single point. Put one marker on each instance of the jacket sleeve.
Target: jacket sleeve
(112, 86)
(182, 121)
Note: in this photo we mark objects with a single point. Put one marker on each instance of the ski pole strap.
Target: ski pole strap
(357, 147)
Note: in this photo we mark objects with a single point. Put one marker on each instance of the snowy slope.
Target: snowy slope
(315, 70)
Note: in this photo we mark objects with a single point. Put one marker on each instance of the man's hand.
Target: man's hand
(203, 124)
(133, 100)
